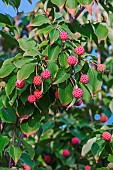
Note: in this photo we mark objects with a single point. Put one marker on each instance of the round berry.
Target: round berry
(63, 36)
(47, 159)
(72, 60)
(77, 93)
(65, 153)
(38, 93)
(26, 167)
(56, 94)
(31, 98)
(84, 79)
(75, 141)
(79, 102)
(106, 136)
(87, 167)
(79, 50)
(101, 68)
(46, 74)
(103, 119)
(37, 80)
(20, 84)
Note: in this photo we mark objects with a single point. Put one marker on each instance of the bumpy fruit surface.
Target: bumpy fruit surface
(20, 84)
(64, 36)
(106, 136)
(38, 93)
(37, 80)
(65, 153)
(56, 94)
(26, 167)
(31, 98)
(79, 50)
(101, 68)
(79, 102)
(77, 93)
(75, 141)
(72, 60)
(87, 167)
(84, 79)
(47, 159)
(103, 119)
(46, 74)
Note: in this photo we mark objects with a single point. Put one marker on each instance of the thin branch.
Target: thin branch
(77, 15)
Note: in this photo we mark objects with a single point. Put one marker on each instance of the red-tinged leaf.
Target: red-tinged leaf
(89, 8)
(24, 118)
(71, 11)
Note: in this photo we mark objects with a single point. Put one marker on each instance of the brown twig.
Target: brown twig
(77, 15)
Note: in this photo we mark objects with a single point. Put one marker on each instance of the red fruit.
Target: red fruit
(26, 167)
(87, 167)
(37, 80)
(101, 68)
(79, 50)
(20, 84)
(31, 98)
(77, 93)
(103, 119)
(46, 74)
(47, 159)
(84, 79)
(75, 141)
(79, 102)
(38, 93)
(56, 94)
(106, 136)
(72, 60)
(63, 36)
(65, 153)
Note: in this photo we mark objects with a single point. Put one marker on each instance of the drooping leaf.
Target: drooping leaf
(10, 85)
(3, 142)
(54, 52)
(15, 153)
(85, 2)
(61, 76)
(101, 31)
(6, 70)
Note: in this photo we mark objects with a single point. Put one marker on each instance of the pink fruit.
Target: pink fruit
(46, 74)
(63, 36)
(56, 94)
(20, 84)
(103, 118)
(101, 68)
(84, 79)
(65, 153)
(38, 93)
(31, 98)
(72, 60)
(75, 141)
(79, 102)
(26, 167)
(106, 136)
(47, 159)
(79, 50)
(87, 167)
(77, 93)
(37, 80)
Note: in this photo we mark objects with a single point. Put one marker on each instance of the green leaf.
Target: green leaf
(31, 125)
(16, 3)
(87, 147)
(102, 168)
(71, 4)
(61, 76)
(98, 147)
(26, 44)
(8, 115)
(47, 126)
(53, 53)
(39, 20)
(53, 68)
(26, 71)
(59, 3)
(85, 2)
(9, 38)
(5, 19)
(95, 80)
(10, 85)
(19, 63)
(63, 60)
(29, 149)
(101, 31)
(86, 93)
(54, 35)
(26, 159)
(6, 70)
(15, 153)
(65, 93)
(3, 142)
(110, 158)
